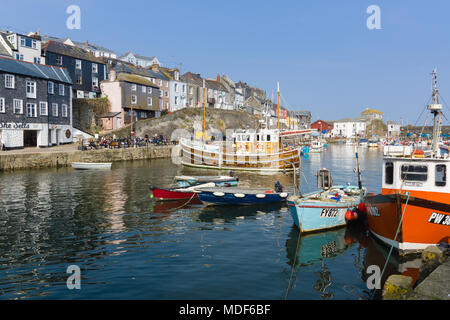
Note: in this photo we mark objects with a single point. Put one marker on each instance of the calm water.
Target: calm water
(130, 247)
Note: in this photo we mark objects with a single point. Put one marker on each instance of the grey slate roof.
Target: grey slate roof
(34, 70)
(71, 51)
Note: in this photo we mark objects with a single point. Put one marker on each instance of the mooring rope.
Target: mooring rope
(184, 203)
(293, 264)
(392, 246)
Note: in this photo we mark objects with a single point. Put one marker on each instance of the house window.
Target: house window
(31, 110)
(51, 87)
(19, 56)
(191, 90)
(9, 81)
(149, 101)
(414, 173)
(59, 60)
(389, 173)
(79, 79)
(191, 102)
(18, 106)
(94, 83)
(160, 82)
(94, 68)
(31, 89)
(166, 93)
(43, 108)
(37, 60)
(61, 89)
(167, 105)
(143, 115)
(176, 87)
(441, 175)
(64, 110)
(167, 83)
(54, 109)
(133, 99)
(149, 90)
(134, 87)
(176, 100)
(144, 89)
(78, 64)
(2, 105)
(160, 93)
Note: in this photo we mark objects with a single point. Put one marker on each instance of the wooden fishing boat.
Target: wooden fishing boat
(248, 150)
(331, 207)
(90, 165)
(413, 210)
(186, 186)
(240, 196)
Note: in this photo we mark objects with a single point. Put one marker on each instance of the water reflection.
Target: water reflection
(377, 254)
(106, 222)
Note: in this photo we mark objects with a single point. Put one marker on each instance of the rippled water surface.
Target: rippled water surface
(130, 247)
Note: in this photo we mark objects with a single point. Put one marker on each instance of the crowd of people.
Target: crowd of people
(112, 142)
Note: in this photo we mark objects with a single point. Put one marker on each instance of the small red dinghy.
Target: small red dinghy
(172, 194)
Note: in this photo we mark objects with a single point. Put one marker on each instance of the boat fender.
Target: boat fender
(239, 195)
(351, 215)
(283, 194)
(219, 194)
(362, 207)
(260, 196)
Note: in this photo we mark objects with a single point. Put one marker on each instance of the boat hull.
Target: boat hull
(168, 194)
(313, 217)
(89, 166)
(238, 198)
(425, 222)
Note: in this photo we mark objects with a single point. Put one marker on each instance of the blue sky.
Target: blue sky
(321, 52)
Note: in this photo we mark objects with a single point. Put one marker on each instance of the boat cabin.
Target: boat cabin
(260, 142)
(416, 174)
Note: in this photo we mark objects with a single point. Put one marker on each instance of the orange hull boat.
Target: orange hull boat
(425, 222)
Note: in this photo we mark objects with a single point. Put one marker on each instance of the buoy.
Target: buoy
(351, 215)
(362, 207)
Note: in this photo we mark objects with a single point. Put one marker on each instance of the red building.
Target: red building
(321, 125)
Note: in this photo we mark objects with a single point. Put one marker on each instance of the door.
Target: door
(29, 138)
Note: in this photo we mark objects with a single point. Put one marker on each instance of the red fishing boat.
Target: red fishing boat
(413, 210)
(186, 186)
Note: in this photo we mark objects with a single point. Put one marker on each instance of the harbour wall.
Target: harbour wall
(20, 161)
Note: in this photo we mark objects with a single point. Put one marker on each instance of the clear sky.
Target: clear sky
(321, 51)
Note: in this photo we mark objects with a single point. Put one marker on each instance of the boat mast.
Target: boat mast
(435, 108)
(204, 109)
(278, 112)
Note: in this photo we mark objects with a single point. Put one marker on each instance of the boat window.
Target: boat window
(268, 137)
(414, 173)
(257, 137)
(441, 175)
(389, 173)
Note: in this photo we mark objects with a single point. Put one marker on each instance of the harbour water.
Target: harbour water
(128, 246)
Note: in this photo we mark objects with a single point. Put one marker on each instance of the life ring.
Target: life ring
(259, 147)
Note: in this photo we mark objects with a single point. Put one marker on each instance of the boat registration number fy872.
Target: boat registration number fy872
(439, 218)
(329, 213)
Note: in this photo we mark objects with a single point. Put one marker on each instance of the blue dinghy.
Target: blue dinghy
(327, 208)
(240, 196)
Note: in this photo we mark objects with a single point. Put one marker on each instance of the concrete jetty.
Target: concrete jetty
(433, 281)
(63, 156)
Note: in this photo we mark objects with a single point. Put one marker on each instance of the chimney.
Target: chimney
(112, 75)
(218, 78)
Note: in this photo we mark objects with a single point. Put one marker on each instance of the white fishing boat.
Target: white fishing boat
(316, 146)
(91, 165)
